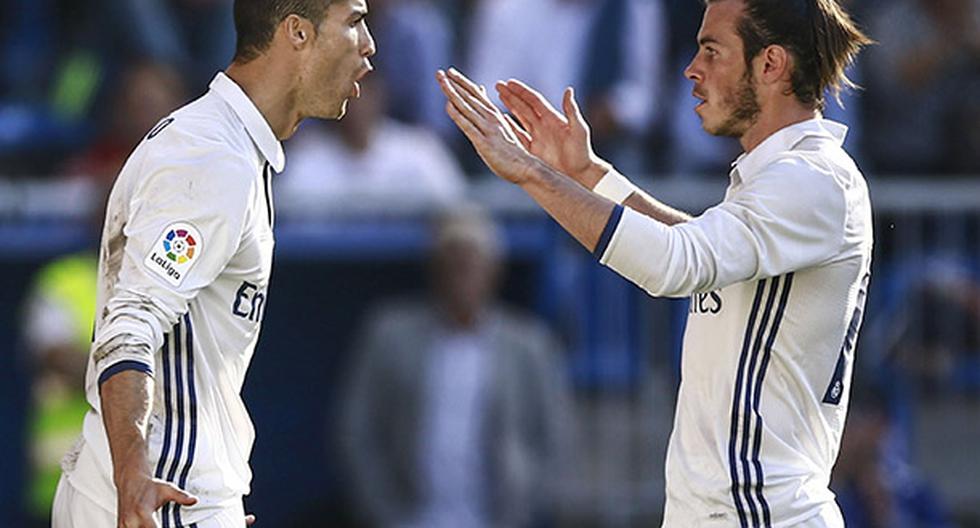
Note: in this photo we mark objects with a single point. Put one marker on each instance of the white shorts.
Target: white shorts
(74, 510)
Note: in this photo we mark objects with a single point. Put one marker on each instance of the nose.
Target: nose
(693, 70)
(369, 48)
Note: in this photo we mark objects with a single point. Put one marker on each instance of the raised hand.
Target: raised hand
(562, 140)
(501, 144)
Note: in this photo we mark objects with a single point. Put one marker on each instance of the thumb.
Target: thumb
(572, 111)
(167, 492)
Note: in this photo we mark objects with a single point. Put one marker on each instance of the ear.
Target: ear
(297, 30)
(775, 66)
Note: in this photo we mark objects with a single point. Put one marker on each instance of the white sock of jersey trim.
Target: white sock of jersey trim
(614, 186)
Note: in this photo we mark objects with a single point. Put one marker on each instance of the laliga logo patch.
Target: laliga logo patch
(178, 248)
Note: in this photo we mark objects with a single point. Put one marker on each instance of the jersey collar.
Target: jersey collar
(751, 163)
(256, 125)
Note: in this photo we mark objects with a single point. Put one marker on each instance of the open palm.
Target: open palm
(497, 139)
(560, 140)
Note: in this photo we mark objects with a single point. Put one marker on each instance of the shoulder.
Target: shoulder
(427, 149)
(204, 130)
(804, 176)
(397, 316)
(410, 136)
(810, 190)
(522, 326)
(820, 163)
(197, 151)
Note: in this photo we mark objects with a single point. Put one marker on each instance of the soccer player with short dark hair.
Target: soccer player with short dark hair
(184, 264)
(777, 273)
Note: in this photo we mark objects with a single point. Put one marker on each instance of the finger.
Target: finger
(531, 96)
(468, 128)
(167, 492)
(572, 111)
(492, 117)
(469, 87)
(517, 106)
(476, 101)
(521, 134)
(249, 520)
(457, 101)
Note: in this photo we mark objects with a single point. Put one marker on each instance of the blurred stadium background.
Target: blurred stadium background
(82, 82)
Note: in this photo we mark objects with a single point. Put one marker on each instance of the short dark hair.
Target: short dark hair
(256, 22)
(819, 34)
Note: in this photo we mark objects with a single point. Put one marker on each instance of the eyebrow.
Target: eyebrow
(357, 13)
(704, 41)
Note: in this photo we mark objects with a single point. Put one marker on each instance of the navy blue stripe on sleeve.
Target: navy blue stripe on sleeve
(123, 366)
(607, 233)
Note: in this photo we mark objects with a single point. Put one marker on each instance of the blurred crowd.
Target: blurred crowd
(80, 83)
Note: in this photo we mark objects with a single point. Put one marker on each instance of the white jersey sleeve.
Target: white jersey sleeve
(182, 228)
(790, 216)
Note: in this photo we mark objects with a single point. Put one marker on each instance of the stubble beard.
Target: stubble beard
(745, 109)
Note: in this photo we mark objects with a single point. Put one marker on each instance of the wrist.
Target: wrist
(130, 471)
(532, 172)
(615, 187)
(132, 464)
(593, 173)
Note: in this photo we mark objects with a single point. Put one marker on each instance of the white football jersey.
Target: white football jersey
(778, 275)
(185, 260)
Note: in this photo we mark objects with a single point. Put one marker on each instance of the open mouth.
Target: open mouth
(702, 100)
(355, 90)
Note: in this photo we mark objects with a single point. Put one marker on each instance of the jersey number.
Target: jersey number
(159, 128)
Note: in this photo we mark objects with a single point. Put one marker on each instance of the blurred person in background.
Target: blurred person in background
(196, 35)
(58, 314)
(875, 486)
(185, 260)
(777, 272)
(367, 162)
(417, 37)
(60, 61)
(614, 50)
(924, 82)
(57, 58)
(146, 91)
(926, 336)
(456, 414)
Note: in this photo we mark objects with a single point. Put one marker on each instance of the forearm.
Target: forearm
(637, 200)
(126, 401)
(127, 397)
(583, 214)
(643, 203)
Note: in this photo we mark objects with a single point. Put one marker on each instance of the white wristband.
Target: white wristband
(614, 186)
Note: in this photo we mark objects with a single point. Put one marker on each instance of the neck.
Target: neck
(266, 82)
(773, 121)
